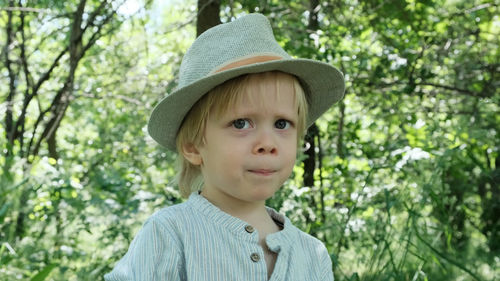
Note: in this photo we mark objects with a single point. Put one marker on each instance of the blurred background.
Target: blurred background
(400, 180)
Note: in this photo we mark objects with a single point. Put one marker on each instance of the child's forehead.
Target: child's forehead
(261, 99)
(257, 91)
(261, 90)
(265, 88)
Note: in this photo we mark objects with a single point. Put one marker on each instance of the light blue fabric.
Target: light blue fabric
(196, 241)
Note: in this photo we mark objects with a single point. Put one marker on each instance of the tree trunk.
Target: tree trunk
(9, 121)
(310, 161)
(208, 15)
(340, 139)
(27, 138)
(313, 15)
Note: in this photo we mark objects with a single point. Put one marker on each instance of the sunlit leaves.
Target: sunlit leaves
(407, 186)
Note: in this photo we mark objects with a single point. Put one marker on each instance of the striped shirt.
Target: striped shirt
(196, 241)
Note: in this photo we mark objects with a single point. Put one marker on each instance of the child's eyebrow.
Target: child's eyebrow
(256, 113)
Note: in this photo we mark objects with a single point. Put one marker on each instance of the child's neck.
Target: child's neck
(254, 213)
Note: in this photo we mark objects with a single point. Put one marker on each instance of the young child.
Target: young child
(236, 119)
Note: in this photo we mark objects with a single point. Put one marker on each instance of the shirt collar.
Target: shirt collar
(235, 225)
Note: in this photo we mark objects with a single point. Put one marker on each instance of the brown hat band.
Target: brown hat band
(247, 61)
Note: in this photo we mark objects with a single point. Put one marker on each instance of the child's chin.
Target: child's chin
(262, 195)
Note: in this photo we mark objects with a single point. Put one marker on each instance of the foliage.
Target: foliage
(407, 169)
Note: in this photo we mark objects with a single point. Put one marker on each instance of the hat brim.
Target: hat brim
(323, 84)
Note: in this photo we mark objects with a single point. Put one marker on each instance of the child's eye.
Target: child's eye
(282, 124)
(241, 124)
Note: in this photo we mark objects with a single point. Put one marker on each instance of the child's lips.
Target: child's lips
(263, 172)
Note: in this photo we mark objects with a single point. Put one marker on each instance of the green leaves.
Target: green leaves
(405, 185)
(42, 275)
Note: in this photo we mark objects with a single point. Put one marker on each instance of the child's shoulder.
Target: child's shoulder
(171, 214)
(308, 241)
(296, 235)
(171, 220)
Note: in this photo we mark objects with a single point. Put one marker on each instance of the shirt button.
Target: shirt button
(255, 257)
(249, 229)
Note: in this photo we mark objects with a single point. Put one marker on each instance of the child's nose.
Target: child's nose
(265, 144)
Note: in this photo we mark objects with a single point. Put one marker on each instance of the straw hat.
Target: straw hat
(245, 45)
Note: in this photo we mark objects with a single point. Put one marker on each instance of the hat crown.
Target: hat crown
(250, 35)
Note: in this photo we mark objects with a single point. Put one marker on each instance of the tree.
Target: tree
(207, 16)
(400, 180)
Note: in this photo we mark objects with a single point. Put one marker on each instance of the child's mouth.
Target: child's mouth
(262, 172)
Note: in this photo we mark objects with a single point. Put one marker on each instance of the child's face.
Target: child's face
(250, 151)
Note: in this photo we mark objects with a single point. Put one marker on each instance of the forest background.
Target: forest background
(400, 180)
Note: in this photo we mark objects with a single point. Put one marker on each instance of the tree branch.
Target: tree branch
(34, 93)
(77, 50)
(29, 81)
(456, 89)
(340, 129)
(47, 74)
(24, 61)
(9, 121)
(55, 109)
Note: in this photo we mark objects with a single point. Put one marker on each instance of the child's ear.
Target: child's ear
(192, 154)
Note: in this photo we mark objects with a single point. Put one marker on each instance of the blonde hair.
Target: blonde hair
(216, 102)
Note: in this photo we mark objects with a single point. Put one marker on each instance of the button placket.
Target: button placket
(255, 256)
